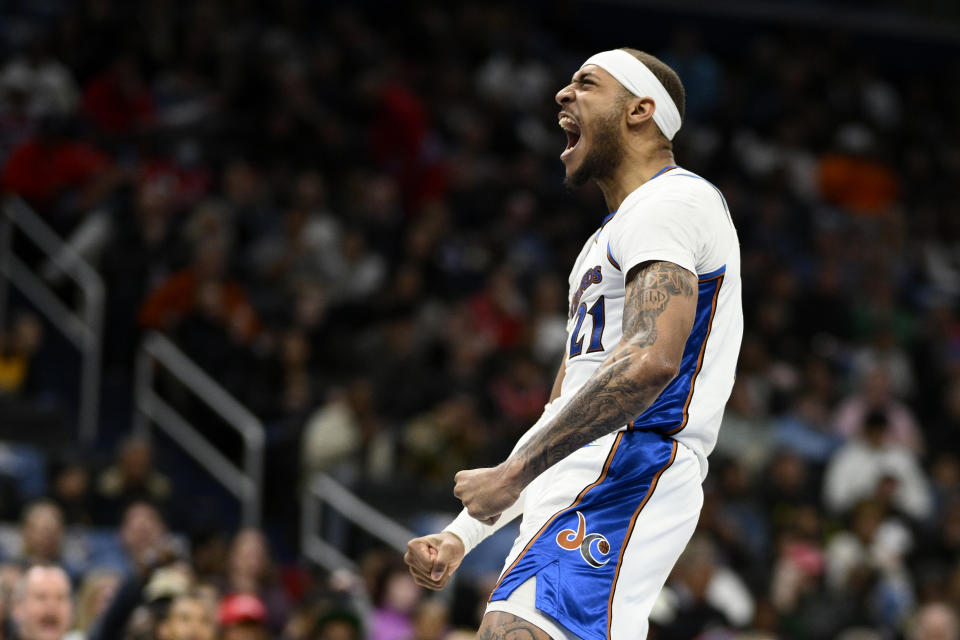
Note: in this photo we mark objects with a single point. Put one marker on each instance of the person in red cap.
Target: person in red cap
(243, 616)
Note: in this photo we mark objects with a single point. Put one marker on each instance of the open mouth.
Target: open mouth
(572, 129)
(50, 624)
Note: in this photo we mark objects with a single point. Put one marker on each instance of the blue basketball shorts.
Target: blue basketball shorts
(601, 531)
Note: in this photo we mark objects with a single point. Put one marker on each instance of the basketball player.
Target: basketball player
(609, 479)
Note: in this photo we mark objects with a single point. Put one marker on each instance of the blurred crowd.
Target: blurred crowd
(352, 216)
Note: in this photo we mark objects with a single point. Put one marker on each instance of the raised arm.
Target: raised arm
(659, 311)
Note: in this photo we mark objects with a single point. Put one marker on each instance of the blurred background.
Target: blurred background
(272, 272)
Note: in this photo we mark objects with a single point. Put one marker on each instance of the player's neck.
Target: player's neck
(634, 171)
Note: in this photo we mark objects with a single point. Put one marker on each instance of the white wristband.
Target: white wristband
(471, 532)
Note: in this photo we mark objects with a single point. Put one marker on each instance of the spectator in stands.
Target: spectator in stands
(18, 347)
(337, 625)
(70, 489)
(700, 595)
(250, 570)
(497, 310)
(189, 617)
(42, 537)
(16, 125)
(885, 351)
(944, 473)
(118, 101)
(10, 575)
(142, 601)
(940, 544)
(871, 465)
(875, 395)
(246, 196)
(243, 616)
(431, 619)
(440, 441)
(852, 177)
(935, 621)
(205, 308)
(870, 560)
(143, 534)
(345, 435)
(209, 547)
(42, 607)
(520, 393)
(395, 598)
(299, 251)
(131, 478)
(51, 165)
(805, 430)
(745, 433)
(93, 597)
(945, 434)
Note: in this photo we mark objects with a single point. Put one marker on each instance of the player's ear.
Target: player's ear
(639, 110)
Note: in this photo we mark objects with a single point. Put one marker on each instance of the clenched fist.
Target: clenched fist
(487, 493)
(433, 559)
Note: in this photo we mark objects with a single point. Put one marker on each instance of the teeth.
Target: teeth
(567, 123)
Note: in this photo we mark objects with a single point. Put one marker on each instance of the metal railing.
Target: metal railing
(325, 490)
(245, 483)
(83, 326)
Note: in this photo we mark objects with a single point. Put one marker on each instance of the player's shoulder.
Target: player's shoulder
(677, 190)
(685, 184)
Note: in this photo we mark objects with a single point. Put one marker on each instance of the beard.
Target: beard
(605, 153)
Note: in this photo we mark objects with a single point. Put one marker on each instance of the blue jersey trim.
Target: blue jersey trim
(603, 224)
(668, 413)
(611, 259)
(713, 274)
(662, 171)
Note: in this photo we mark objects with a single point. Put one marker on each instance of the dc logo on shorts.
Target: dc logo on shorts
(569, 539)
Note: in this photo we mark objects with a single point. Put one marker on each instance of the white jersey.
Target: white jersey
(681, 218)
(677, 217)
(604, 526)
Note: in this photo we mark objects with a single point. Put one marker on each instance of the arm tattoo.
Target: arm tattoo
(618, 391)
(651, 289)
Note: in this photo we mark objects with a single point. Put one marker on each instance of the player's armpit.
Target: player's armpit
(558, 381)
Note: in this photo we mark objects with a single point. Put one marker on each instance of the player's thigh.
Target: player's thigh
(657, 537)
(499, 625)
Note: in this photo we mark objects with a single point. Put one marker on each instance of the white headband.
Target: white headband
(640, 81)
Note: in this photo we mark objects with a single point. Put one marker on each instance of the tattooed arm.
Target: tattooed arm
(658, 314)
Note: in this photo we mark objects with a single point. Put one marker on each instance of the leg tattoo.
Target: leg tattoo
(498, 625)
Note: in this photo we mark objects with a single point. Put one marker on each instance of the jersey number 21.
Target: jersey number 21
(596, 336)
